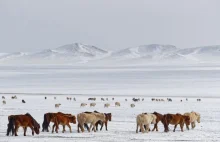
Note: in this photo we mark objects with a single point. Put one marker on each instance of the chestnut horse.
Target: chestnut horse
(159, 118)
(49, 117)
(175, 119)
(16, 121)
(63, 120)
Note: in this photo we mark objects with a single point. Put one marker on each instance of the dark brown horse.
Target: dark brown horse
(175, 119)
(49, 117)
(159, 118)
(16, 121)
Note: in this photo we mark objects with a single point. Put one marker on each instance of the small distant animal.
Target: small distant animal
(126, 100)
(74, 99)
(102, 99)
(181, 100)
(142, 99)
(83, 104)
(169, 99)
(4, 102)
(186, 99)
(117, 104)
(92, 104)
(136, 100)
(107, 105)
(113, 99)
(132, 105)
(106, 99)
(198, 100)
(57, 105)
(3, 97)
(55, 98)
(153, 99)
(14, 97)
(45, 98)
(92, 99)
(23, 101)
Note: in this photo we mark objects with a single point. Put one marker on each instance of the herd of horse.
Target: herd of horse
(95, 118)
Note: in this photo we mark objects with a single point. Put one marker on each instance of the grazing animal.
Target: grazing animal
(106, 99)
(15, 121)
(132, 105)
(57, 105)
(145, 119)
(74, 99)
(83, 104)
(92, 118)
(63, 120)
(23, 101)
(175, 119)
(92, 104)
(45, 98)
(3, 97)
(153, 99)
(14, 97)
(113, 99)
(136, 100)
(50, 117)
(198, 100)
(55, 98)
(102, 99)
(126, 100)
(4, 102)
(92, 99)
(106, 105)
(194, 116)
(142, 99)
(169, 99)
(117, 104)
(108, 117)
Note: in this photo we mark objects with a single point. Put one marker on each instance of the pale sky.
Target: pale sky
(34, 25)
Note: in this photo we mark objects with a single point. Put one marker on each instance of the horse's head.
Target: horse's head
(154, 119)
(108, 116)
(37, 128)
(198, 117)
(73, 119)
(186, 120)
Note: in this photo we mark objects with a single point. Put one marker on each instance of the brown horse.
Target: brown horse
(63, 120)
(49, 117)
(159, 118)
(175, 119)
(16, 121)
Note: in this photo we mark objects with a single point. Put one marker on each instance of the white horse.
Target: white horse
(145, 119)
(194, 116)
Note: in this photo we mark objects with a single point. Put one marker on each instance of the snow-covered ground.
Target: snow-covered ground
(32, 83)
(122, 127)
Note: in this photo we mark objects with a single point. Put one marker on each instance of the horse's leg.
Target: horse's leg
(32, 129)
(53, 128)
(181, 127)
(154, 127)
(93, 124)
(142, 128)
(25, 130)
(174, 128)
(69, 127)
(147, 128)
(187, 127)
(16, 130)
(90, 127)
(137, 129)
(106, 125)
(63, 128)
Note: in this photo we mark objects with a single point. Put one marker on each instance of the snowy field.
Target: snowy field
(33, 83)
(122, 127)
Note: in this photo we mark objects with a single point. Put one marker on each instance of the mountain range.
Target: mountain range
(78, 53)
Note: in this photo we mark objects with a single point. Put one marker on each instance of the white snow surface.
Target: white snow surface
(123, 124)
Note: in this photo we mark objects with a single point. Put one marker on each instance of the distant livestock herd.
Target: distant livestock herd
(95, 118)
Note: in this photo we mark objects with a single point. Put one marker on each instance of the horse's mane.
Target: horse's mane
(34, 121)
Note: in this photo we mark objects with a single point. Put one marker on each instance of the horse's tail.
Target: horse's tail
(11, 126)
(44, 124)
(166, 122)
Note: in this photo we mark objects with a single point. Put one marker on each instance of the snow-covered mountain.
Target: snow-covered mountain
(144, 54)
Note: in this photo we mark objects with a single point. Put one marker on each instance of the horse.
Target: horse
(117, 104)
(132, 105)
(83, 104)
(106, 105)
(4, 102)
(23, 101)
(50, 117)
(15, 121)
(145, 119)
(61, 119)
(194, 116)
(57, 105)
(92, 104)
(92, 118)
(175, 119)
